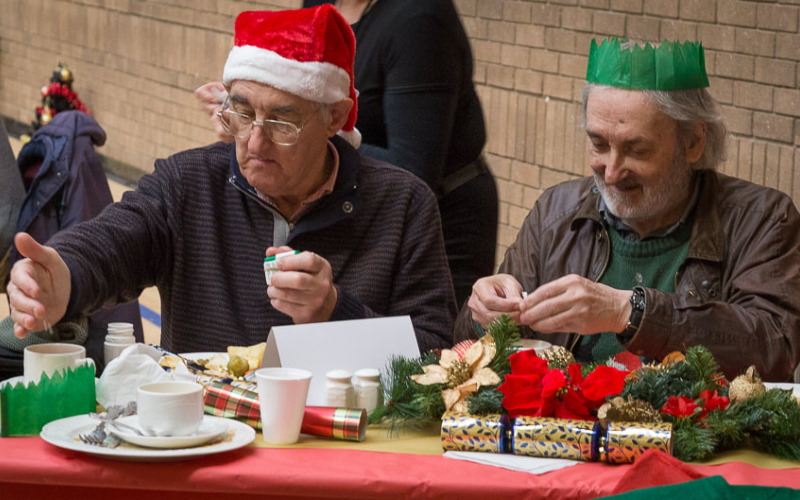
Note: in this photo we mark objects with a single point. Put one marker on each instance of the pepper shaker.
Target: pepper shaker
(368, 389)
(339, 389)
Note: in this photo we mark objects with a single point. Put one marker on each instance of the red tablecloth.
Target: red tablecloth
(31, 468)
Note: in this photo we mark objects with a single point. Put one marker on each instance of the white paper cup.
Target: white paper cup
(39, 359)
(282, 394)
(170, 408)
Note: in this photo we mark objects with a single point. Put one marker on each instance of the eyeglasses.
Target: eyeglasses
(241, 125)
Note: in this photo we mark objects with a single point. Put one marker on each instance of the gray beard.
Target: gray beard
(660, 196)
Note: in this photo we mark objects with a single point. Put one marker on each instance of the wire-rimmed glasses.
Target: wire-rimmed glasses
(241, 125)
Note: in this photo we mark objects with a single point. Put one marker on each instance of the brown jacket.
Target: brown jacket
(737, 293)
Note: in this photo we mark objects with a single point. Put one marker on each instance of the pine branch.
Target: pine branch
(488, 400)
(656, 385)
(705, 370)
(691, 443)
(506, 336)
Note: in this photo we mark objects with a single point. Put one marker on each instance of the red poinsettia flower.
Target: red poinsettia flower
(531, 389)
(712, 402)
(680, 406)
(523, 387)
(683, 407)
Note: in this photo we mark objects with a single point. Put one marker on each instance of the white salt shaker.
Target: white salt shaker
(339, 389)
(368, 389)
(119, 337)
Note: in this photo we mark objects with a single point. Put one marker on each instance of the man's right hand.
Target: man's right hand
(493, 296)
(40, 287)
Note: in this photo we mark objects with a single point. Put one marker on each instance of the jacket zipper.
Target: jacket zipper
(281, 222)
(602, 271)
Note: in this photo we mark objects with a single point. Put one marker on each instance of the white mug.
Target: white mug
(39, 359)
(282, 394)
(170, 408)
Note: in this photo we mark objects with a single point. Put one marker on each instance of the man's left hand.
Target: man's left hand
(304, 288)
(575, 304)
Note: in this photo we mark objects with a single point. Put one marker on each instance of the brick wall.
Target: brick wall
(136, 63)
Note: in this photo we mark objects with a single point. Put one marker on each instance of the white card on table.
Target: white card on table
(347, 345)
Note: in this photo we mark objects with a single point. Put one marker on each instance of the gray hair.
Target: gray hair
(687, 107)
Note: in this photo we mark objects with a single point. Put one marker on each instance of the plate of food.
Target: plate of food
(236, 363)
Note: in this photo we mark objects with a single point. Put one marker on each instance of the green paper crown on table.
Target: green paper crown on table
(25, 409)
(631, 65)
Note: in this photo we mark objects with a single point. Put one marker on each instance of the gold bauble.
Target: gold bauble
(46, 116)
(746, 386)
(65, 75)
(619, 409)
(557, 357)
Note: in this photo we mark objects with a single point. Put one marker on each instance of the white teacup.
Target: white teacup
(39, 359)
(282, 394)
(170, 408)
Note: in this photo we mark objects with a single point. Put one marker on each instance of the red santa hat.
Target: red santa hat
(306, 52)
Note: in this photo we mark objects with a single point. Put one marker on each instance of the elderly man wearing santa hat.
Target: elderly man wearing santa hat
(367, 235)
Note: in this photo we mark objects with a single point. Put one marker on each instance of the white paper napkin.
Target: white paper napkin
(136, 365)
(532, 465)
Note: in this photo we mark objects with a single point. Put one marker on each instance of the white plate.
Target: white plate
(64, 434)
(210, 428)
(194, 356)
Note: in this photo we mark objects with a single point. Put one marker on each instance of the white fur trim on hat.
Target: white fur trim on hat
(351, 136)
(316, 81)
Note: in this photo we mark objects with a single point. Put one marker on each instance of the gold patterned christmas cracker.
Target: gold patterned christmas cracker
(553, 438)
(466, 432)
(625, 441)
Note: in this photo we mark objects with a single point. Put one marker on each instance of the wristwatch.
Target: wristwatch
(637, 312)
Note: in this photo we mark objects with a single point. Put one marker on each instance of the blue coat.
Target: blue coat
(70, 187)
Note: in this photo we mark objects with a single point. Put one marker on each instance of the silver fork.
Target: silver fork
(113, 413)
(96, 437)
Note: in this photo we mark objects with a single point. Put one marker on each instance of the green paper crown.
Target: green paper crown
(670, 66)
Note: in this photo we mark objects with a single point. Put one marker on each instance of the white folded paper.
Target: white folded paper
(532, 465)
(136, 365)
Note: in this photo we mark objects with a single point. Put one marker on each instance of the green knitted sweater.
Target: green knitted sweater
(649, 263)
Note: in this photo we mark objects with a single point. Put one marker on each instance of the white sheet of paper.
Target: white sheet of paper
(347, 345)
(532, 465)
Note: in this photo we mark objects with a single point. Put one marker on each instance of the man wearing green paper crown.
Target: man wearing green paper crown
(658, 251)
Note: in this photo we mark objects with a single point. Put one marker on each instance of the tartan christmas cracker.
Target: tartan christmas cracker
(240, 403)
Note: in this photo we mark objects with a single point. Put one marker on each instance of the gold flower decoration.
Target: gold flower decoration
(464, 371)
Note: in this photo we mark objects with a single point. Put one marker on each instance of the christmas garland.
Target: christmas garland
(490, 376)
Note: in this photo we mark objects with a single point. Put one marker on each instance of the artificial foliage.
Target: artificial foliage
(686, 389)
(58, 96)
(655, 383)
(409, 404)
